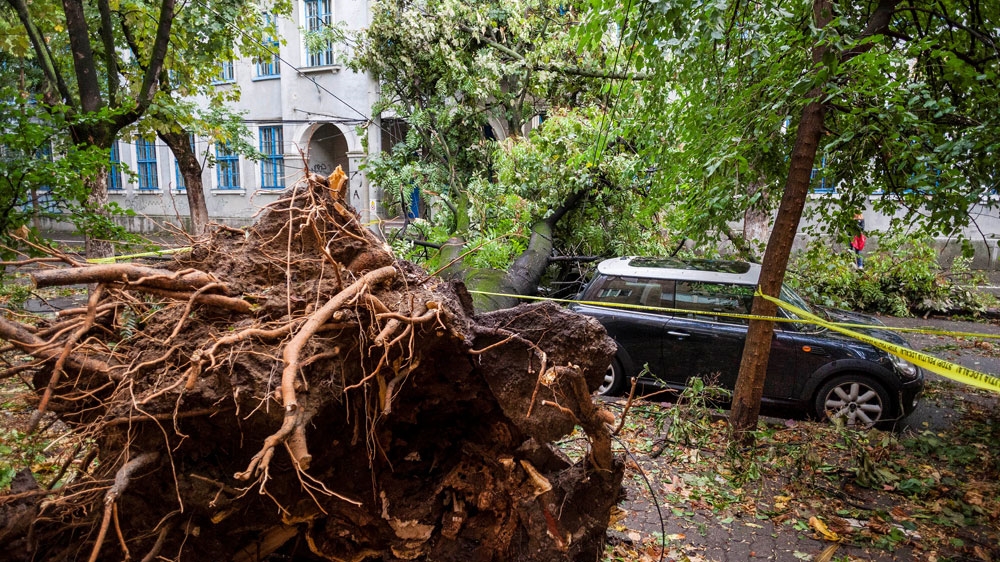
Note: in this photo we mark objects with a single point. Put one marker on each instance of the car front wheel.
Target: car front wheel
(614, 379)
(855, 399)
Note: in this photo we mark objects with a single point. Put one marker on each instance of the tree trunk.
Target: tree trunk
(757, 219)
(97, 245)
(757, 351)
(190, 168)
(521, 278)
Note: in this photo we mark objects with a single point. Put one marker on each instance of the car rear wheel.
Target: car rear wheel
(614, 379)
(855, 399)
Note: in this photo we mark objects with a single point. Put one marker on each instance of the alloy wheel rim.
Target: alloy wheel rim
(609, 379)
(857, 404)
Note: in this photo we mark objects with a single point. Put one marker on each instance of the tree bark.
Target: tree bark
(83, 56)
(122, 272)
(191, 169)
(757, 350)
(97, 200)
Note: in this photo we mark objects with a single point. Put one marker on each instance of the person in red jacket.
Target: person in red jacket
(858, 242)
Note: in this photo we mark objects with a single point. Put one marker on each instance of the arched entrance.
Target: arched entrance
(327, 150)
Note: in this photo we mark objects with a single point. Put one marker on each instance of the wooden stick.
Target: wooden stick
(220, 301)
(36, 416)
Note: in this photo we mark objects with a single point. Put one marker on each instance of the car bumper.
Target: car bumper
(909, 394)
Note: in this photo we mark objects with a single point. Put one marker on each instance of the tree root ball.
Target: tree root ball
(293, 392)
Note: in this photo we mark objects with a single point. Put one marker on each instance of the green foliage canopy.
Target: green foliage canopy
(910, 124)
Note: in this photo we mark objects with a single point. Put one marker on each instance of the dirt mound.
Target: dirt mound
(294, 390)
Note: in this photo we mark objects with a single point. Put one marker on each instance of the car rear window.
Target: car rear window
(704, 299)
(631, 290)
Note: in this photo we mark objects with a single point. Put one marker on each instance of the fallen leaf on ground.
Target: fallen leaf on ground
(822, 530)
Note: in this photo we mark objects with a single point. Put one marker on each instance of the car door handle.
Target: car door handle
(678, 334)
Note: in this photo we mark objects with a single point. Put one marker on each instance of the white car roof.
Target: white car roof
(706, 271)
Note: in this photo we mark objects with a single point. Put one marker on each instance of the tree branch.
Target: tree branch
(42, 51)
(153, 67)
(83, 57)
(110, 53)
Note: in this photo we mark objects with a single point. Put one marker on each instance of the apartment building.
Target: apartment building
(303, 109)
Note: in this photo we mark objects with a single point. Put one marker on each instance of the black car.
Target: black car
(811, 369)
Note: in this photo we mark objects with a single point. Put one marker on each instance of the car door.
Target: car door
(701, 343)
(708, 344)
(633, 321)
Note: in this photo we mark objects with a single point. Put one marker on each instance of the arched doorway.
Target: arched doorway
(327, 150)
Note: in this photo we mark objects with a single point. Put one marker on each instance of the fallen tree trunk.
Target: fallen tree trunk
(355, 408)
(522, 277)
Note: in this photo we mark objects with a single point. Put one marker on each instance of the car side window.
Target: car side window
(632, 290)
(704, 299)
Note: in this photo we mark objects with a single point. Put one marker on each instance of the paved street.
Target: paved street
(699, 530)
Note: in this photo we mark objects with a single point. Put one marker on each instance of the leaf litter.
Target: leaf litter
(815, 490)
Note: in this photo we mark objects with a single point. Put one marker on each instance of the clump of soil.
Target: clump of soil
(294, 390)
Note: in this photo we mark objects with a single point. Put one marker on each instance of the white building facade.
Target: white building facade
(302, 108)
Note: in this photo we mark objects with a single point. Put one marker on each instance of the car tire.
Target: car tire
(857, 399)
(614, 379)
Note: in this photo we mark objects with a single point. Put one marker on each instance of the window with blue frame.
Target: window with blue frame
(145, 161)
(319, 16)
(179, 180)
(45, 201)
(818, 180)
(179, 177)
(115, 169)
(227, 166)
(269, 65)
(272, 167)
(226, 73)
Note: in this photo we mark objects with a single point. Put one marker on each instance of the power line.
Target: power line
(635, 39)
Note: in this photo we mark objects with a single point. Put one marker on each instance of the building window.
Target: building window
(45, 200)
(179, 177)
(272, 167)
(115, 169)
(145, 160)
(227, 166)
(819, 182)
(269, 65)
(318, 17)
(226, 74)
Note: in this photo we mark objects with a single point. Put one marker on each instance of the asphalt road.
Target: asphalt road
(980, 354)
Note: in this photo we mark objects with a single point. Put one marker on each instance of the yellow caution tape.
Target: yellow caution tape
(686, 311)
(940, 366)
(113, 259)
(929, 362)
(641, 307)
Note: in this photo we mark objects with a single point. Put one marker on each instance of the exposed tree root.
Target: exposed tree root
(293, 390)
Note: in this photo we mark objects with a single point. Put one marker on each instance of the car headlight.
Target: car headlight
(905, 368)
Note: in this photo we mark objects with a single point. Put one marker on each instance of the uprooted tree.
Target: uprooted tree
(292, 388)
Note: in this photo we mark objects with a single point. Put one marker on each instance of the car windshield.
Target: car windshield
(794, 299)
